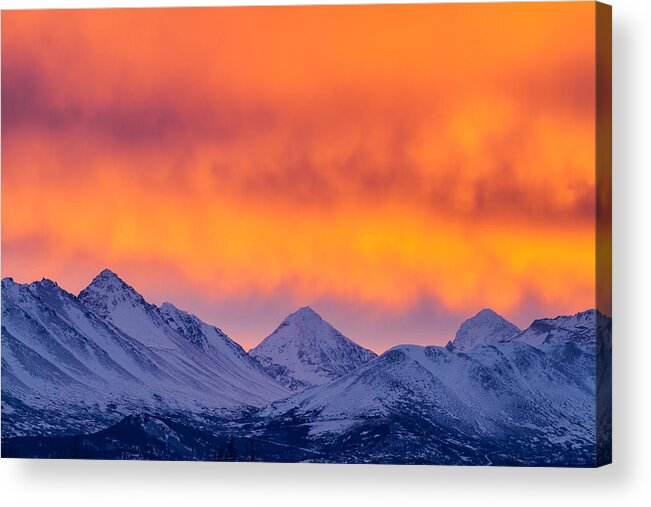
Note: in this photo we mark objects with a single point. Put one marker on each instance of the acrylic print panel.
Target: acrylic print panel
(341, 234)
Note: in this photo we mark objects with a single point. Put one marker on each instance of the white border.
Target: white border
(626, 482)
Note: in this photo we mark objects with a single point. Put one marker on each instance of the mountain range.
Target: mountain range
(73, 362)
(108, 374)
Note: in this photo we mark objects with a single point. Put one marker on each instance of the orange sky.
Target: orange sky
(397, 167)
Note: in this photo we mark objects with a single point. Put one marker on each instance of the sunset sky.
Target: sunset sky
(397, 168)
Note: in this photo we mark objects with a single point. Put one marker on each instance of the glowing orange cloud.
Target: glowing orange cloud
(377, 156)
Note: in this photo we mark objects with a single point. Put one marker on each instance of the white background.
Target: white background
(626, 482)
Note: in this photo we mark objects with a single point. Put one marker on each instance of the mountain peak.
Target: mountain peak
(487, 313)
(304, 314)
(106, 275)
(485, 328)
(306, 350)
(107, 291)
(105, 281)
(45, 283)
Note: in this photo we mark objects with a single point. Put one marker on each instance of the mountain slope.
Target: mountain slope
(577, 329)
(485, 328)
(507, 403)
(71, 366)
(109, 352)
(305, 350)
(479, 390)
(111, 299)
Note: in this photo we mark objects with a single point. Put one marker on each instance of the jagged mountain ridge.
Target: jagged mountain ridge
(503, 403)
(578, 329)
(112, 350)
(73, 365)
(305, 350)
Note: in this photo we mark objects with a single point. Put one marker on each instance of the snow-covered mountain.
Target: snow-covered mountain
(577, 329)
(305, 351)
(495, 395)
(91, 358)
(111, 299)
(503, 403)
(490, 389)
(485, 328)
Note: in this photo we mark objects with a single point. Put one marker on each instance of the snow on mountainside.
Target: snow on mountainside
(492, 389)
(577, 329)
(485, 328)
(507, 402)
(108, 352)
(305, 350)
(495, 395)
(113, 300)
